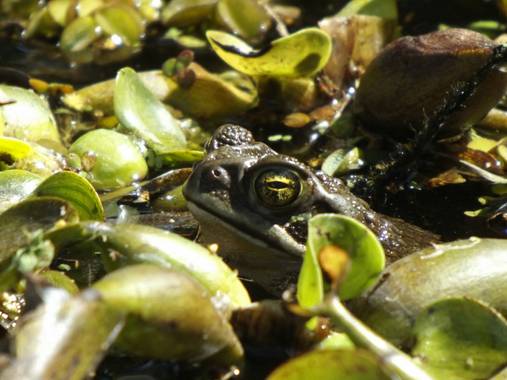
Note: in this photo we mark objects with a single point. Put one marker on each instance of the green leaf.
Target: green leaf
(340, 162)
(246, 18)
(365, 254)
(14, 148)
(110, 159)
(27, 116)
(140, 111)
(331, 365)
(187, 12)
(19, 224)
(303, 53)
(460, 339)
(223, 97)
(60, 280)
(170, 315)
(79, 35)
(385, 9)
(64, 338)
(77, 191)
(310, 287)
(144, 244)
(121, 20)
(16, 185)
(181, 157)
(474, 268)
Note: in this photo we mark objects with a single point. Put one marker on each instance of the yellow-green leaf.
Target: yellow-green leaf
(139, 110)
(303, 53)
(385, 9)
(77, 191)
(460, 339)
(331, 365)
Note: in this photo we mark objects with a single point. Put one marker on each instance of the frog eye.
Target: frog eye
(277, 187)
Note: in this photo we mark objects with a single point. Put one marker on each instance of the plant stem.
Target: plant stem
(395, 362)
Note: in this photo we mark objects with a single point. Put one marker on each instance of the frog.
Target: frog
(255, 205)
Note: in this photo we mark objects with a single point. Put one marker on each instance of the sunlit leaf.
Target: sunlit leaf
(121, 20)
(310, 287)
(19, 222)
(170, 315)
(460, 339)
(366, 256)
(331, 365)
(16, 185)
(27, 116)
(59, 10)
(77, 191)
(141, 112)
(187, 12)
(474, 268)
(303, 53)
(109, 158)
(79, 34)
(386, 9)
(181, 157)
(144, 244)
(223, 97)
(246, 18)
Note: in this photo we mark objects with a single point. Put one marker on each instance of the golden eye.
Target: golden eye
(277, 187)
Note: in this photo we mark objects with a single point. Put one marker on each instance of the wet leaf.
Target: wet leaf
(144, 244)
(472, 268)
(170, 315)
(366, 257)
(77, 191)
(141, 112)
(33, 157)
(110, 159)
(63, 339)
(331, 365)
(27, 116)
(16, 185)
(460, 339)
(303, 53)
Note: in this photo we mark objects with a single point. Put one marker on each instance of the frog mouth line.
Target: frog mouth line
(295, 250)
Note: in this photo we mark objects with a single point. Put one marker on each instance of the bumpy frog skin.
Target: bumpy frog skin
(255, 203)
